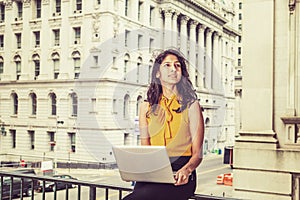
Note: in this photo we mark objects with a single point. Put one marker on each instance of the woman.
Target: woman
(172, 117)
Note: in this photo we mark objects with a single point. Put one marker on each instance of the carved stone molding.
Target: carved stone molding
(184, 19)
(8, 4)
(193, 23)
(168, 12)
(26, 3)
(45, 1)
(96, 26)
(291, 120)
(292, 5)
(116, 25)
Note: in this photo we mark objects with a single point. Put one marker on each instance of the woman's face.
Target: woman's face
(169, 72)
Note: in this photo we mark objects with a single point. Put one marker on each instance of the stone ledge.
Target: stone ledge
(291, 120)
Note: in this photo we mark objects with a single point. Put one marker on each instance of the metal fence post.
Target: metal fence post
(92, 193)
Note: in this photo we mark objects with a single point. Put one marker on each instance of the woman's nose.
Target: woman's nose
(172, 67)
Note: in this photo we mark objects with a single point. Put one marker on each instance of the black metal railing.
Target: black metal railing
(15, 184)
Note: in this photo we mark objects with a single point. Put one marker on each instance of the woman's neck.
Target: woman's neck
(169, 92)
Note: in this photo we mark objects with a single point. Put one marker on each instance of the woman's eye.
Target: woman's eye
(177, 65)
(167, 65)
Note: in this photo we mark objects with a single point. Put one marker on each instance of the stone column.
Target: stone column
(160, 41)
(168, 28)
(183, 34)
(257, 136)
(208, 59)
(201, 52)
(174, 29)
(192, 54)
(215, 64)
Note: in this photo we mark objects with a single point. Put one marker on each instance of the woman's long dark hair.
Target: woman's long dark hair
(185, 88)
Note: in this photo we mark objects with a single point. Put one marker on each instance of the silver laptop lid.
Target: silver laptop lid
(144, 163)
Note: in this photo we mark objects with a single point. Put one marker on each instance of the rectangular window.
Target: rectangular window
(126, 7)
(96, 61)
(20, 10)
(239, 62)
(38, 9)
(114, 106)
(2, 13)
(151, 45)
(127, 33)
(74, 105)
(56, 65)
(138, 69)
(239, 50)
(240, 27)
(72, 137)
(18, 69)
(37, 38)
(98, 2)
(76, 64)
(57, 6)
(240, 16)
(13, 138)
(140, 41)
(1, 42)
(140, 11)
(51, 140)
(31, 136)
(151, 17)
(79, 5)
(114, 64)
(1, 67)
(19, 40)
(125, 69)
(36, 68)
(56, 34)
(77, 35)
(93, 105)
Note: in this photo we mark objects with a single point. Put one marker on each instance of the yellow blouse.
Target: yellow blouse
(174, 133)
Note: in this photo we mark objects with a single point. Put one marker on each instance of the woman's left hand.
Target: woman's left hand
(182, 177)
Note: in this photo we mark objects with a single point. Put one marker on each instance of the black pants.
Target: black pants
(165, 191)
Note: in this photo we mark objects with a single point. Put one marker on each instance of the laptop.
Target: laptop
(144, 163)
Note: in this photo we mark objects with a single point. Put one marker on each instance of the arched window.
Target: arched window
(138, 68)
(52, 98)
(33, 103)
(150, 70)
(56, 62)
(36, 60)
(17, 60)
(76, 60)
(126, 107)
(74, 104)
(15, 103)
(139, 100)
(126, 65)
(207, 121)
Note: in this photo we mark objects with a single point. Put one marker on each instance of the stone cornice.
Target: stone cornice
(291, 120)
(231, 31)
(207, 12)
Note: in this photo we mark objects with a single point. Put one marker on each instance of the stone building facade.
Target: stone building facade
(73, 72)
(267, 152)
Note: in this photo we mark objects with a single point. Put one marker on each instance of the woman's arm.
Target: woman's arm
(197, 132)
(143, 125)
